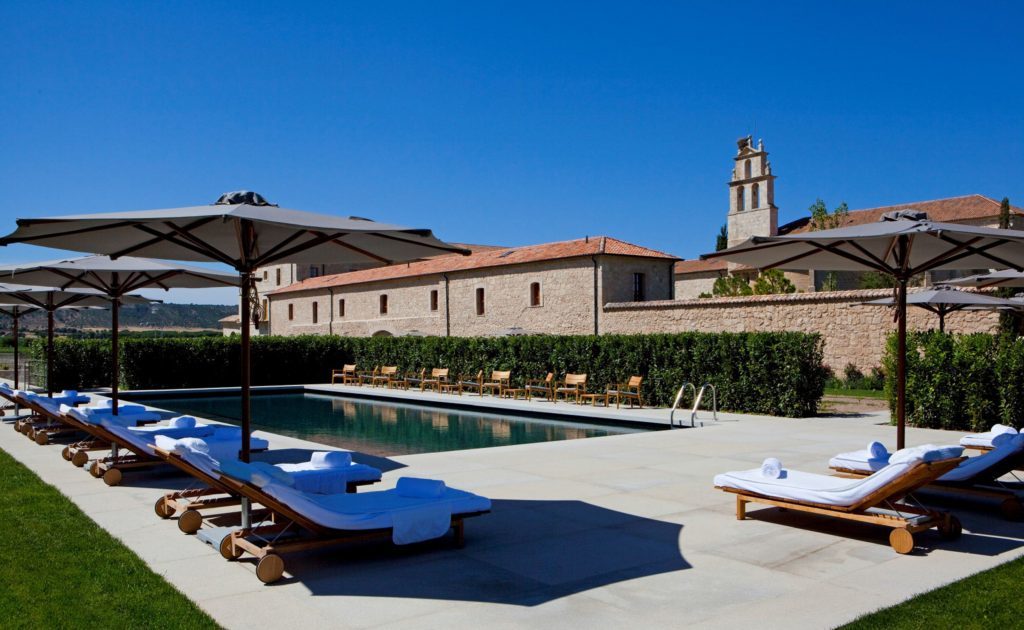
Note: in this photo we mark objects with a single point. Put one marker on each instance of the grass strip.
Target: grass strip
(984, 600)
(61, 570)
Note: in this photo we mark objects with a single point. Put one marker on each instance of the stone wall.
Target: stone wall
(851, 333)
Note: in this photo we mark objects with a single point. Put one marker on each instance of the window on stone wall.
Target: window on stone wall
(480, 301)
(534, 294)
(639, 290)
(739, 199)
(278, 276)
(314, 271)
(265, 272)
(315, 312)
(384, 304)
(291, 312)
(265, 311)
(341, 308)
(755, 196)
(433, 300)
(746, 169)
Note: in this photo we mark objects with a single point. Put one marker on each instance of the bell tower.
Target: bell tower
(752, 210)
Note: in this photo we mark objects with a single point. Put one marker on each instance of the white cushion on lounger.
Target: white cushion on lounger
(858, 460)
(977, 466)
(369, 510)
(985, 439)
(823, 489)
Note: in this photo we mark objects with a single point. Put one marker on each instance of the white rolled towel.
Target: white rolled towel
(331, 459)
(1002, 428)
(771, 468)
(182, 422)
(878, 450)
(419, 488)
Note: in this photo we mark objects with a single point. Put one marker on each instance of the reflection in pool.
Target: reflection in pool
(380, 428)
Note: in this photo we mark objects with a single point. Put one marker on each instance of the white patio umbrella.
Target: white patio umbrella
(944, 300)
(115, 279)
(1005, 278)
(902, 244)
(51, 300)
(241, 230)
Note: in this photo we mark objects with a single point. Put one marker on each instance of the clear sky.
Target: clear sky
(505, 122)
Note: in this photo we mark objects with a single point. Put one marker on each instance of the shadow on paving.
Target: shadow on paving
(984, 534)
(524, 552)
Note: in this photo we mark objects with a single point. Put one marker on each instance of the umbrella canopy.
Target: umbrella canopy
(1004, 278)
(944, 300)
(902, 244)
(242, 230)
(513, 331)
(114, 279)
(50, 300)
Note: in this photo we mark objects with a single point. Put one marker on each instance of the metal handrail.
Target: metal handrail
(696, 404)
(675, 404)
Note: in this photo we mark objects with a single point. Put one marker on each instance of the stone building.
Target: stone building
(752, 212)
(552, 288)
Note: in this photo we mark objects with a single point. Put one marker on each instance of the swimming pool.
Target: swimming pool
(378, 428)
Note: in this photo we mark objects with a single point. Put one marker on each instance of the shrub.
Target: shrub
(959, 382)
(767, 373)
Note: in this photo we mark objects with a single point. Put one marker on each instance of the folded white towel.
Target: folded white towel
(421, 522)
(182, 422)
(416, 487)
(771, 468)
(331, 459)
(878, 450)
(191, 444)
(1002, 428)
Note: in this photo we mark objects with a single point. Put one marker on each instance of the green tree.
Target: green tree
(731, 286)
(1004, 214)
(830, 282)
(722, 240)
(1009, 322)
(876, 280)
(773, 281)
(822, 219)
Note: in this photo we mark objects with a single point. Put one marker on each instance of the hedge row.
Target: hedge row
(960, 382)
(768, 373)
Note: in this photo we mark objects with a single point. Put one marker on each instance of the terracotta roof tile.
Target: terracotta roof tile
(481, 259)
(949, 210)
(700, 266)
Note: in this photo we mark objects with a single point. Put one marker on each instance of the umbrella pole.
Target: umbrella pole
(14, 333)
(244, 455)
(942, 321)
(901, 363)
(49, 352)
(115, 321)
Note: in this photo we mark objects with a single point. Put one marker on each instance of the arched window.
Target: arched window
(755, 196)
(739, 199)
(746, 169)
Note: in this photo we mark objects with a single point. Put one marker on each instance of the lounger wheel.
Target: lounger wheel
(94, 469)
(1011, 509)
(112, 477)
(162, 509)
(901, 540)
(42, 438)
(951, 529)
(66, 453)
(270, 568)
(229, 551)
(190, 521)
(80, 458)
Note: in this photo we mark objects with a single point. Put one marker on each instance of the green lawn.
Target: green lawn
(990, 599)
(855, 393)
(61, 570)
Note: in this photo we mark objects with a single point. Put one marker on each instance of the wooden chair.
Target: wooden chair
(264, 540)
(630, 390)
(497, 384)
(572, 386)
(541, 386)
(437, 376)
(384, 378)
(884, 506)
(347, 374)
(366, 378)
(469, 383)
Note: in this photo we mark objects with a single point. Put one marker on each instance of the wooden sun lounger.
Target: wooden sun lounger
(885, 506)
(42, 424)
(1007, 498)
(190, 502)
(267, 543)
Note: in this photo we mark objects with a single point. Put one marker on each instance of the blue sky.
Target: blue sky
(505, 123)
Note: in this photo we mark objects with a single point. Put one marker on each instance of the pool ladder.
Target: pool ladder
(698, 396)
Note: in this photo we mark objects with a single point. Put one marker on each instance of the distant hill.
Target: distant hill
(154, 316)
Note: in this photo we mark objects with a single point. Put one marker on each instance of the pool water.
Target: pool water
(379, 428)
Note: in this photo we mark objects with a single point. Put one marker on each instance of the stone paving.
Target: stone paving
(611, 532)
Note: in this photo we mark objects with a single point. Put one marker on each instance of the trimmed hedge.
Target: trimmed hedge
(960, 382)
(769, 373)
